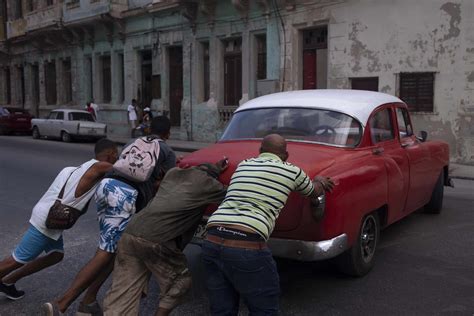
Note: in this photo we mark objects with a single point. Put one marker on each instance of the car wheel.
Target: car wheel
(359, 260)
(65, 137)
(435, 204)
(35, 133)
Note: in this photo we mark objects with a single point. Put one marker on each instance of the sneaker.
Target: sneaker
(11, 292)
(50, 309)
(93, 309)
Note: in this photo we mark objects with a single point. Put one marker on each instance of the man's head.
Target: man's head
(106, 150)
(88, 104)
(134, 102)
(161, 126)
(274, 144)
(214, 169)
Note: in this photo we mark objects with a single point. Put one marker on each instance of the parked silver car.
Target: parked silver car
(68, 124)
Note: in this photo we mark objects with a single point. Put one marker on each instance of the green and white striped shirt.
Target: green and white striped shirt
(258, 191)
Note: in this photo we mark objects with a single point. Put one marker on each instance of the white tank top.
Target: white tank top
(69, 197)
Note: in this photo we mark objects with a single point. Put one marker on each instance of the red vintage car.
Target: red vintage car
(365, 141)
(14, 120)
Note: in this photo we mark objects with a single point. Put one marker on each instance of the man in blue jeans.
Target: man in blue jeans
(237, 260)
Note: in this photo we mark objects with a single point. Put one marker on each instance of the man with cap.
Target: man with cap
(154, 240)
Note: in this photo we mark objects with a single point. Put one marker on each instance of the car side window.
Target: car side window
(404, 126)
(52, 115)
(60, 116)
(381, 128)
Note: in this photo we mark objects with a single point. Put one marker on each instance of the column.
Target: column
(42, 84)
(117, 77)
(29, 87)
(60, 96)
(273, 49)
(131, 63)
(246, 57)
(97, 78)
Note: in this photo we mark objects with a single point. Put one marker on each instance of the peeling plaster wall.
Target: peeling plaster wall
(369, 38)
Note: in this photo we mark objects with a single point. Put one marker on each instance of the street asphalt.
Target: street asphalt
(424, 262)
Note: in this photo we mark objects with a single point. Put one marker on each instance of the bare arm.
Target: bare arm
(92, 176)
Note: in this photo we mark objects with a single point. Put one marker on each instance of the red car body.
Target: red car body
(14, 120)
(391, 179)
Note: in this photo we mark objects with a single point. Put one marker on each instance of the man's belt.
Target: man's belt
(244, 244)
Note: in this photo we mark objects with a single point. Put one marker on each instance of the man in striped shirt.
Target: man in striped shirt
(235, 255)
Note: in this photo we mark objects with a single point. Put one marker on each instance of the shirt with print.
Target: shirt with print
(258, 190)
(178, 207)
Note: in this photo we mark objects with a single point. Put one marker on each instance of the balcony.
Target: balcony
(85, 11)
(44, 17)
(16, 28)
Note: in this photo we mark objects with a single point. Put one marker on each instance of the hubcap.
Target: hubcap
(368, 238)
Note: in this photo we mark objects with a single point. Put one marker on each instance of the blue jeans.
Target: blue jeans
(234, 272)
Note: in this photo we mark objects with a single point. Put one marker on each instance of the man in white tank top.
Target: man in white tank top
(79, 187)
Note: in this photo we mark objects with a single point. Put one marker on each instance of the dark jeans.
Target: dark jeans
(233, 273)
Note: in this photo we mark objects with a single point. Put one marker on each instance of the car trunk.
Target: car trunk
(19, 119)
(310, 157)
(91, 128)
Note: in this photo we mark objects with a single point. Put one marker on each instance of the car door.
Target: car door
(418, 157)
(45, 127)
(387, 145)
(54, 123)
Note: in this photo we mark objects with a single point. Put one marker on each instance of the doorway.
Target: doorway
(146, 88)
(315, 44)
(175, 83)
(233, 72)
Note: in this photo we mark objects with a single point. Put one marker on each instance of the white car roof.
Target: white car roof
(356, 103)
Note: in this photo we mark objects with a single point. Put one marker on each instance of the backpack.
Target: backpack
(138, 160)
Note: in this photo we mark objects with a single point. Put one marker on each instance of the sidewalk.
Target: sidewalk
(457, 171)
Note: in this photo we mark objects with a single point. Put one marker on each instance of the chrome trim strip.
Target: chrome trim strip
(303, 250)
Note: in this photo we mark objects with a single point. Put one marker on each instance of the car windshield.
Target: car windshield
(80, 116)
(300, 124)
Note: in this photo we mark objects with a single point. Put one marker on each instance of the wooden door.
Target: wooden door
(232, 79)
(309, 69)
(176, 84)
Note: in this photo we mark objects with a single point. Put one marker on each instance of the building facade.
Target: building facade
(196, 61)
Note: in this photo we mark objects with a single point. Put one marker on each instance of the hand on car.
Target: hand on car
(223, 164)
(325, 183)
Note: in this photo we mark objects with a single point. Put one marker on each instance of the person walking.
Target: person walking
(132, 114)
(77, 185)
(154, 240)
(117, 199)
(235, 255)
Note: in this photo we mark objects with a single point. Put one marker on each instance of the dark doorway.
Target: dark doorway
(106, 80)
(368, 83)
(315, 44)
(146, 91)
(176, 84)
(50, 82)
(9, 86)
(233, 72)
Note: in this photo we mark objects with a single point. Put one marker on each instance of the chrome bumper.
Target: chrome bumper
(308, 250)
(303, 250)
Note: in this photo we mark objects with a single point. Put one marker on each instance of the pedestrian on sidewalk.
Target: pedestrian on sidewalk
(77, 185)
(236, 258)
(154, 240)
(117, 199)
(132, 115)
(91, 110)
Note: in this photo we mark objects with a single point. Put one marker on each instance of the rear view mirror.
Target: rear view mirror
(423, 136)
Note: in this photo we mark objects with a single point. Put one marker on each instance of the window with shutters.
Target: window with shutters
(417, 91)
(261, 57)
(106, 80)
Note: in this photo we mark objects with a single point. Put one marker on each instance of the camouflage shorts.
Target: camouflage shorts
(136, 260)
